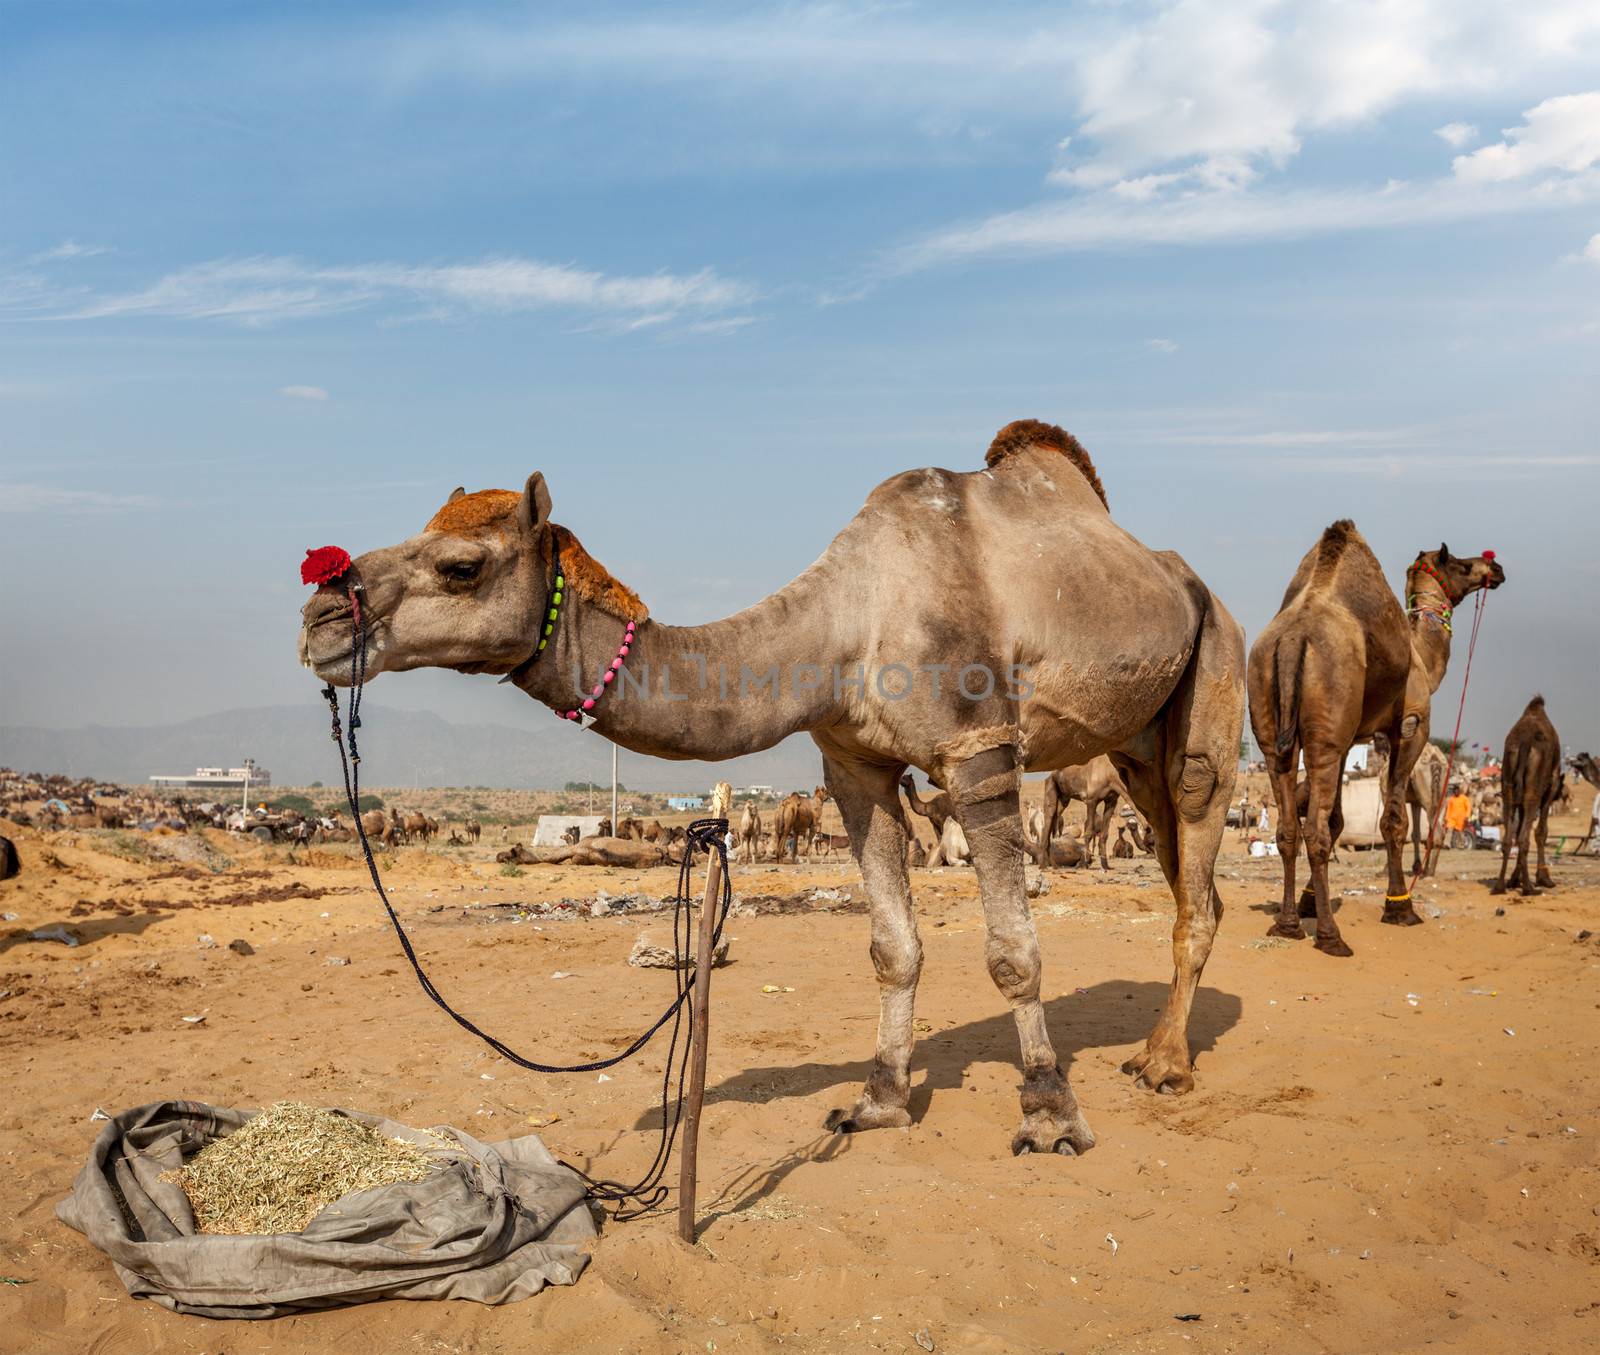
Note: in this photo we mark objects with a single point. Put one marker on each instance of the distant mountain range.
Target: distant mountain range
(398, 748)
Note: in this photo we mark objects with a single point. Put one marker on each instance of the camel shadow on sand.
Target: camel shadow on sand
(1117, 1012)
(86, 931)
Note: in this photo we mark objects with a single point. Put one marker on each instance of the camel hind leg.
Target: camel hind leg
(1283, 791)
(869, 801)
(1540, 834)
(1184, 790)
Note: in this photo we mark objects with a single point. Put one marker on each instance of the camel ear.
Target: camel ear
(459, 492)
(535, 509)
(1444, 554)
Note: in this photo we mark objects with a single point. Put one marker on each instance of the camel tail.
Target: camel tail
(1287, 683)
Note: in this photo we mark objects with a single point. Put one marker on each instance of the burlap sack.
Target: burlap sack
(496, 1224)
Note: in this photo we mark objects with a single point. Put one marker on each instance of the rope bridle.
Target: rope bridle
(1426, 607)
(1455, 738)
(708, 834)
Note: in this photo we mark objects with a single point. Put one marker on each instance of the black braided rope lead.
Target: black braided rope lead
(709, 834)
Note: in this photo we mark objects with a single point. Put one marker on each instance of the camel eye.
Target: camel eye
(461, 571)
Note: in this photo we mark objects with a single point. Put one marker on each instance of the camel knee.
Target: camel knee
(1197, 783)
(1014, 967)
(898, 963)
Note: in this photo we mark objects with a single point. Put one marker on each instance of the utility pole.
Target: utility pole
(613, 788)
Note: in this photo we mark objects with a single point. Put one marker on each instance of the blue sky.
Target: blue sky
(277, 275)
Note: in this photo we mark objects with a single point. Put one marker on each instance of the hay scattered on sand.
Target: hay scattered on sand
(291, 1161)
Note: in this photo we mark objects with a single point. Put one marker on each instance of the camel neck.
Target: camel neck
(1429, 614)
(705, 692)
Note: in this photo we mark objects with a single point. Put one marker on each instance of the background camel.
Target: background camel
(936, 809)
(1343, 661)
(798, 817)
(1425, 796)
(1530, 774)
(1065, 851)
(749, 832)
(1027, 648)
(1589, 769)
(1097, 784)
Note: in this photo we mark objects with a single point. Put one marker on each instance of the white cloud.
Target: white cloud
(1101, 221)
(1592, 250)
(1161, 345)
(303, 392)
(263, 290)
(1561, 135)
(69, 249)
(1190, 109)
(1222, 91)
(21, 498)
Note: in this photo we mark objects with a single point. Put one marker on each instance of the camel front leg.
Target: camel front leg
(1397, 908)
(869, 802)
(986, 788)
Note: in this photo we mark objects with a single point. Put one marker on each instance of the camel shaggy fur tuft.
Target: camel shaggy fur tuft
(1014, 437)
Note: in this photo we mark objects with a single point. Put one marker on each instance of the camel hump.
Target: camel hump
(1014, 437)
(1536, 704)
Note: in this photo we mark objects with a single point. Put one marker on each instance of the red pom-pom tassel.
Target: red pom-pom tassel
(324, 565)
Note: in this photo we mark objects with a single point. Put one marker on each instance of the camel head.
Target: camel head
(1460, 575)
(469, 592)
(1585, 766)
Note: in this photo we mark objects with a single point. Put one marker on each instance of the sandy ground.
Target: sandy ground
(1393, 1152)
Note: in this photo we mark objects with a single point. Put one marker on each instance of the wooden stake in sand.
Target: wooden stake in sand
(700, 1008)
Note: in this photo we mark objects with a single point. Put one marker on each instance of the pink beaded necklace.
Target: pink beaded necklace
(606, 679)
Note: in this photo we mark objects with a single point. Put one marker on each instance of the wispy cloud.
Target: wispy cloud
(265, 290)
(68, 249)
(1456, 134)
(1106, 220)
(1591, 251)
(1161, 345)
(303, 392)
(27, 498)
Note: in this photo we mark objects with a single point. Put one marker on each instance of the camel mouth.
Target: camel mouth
(1497, 576)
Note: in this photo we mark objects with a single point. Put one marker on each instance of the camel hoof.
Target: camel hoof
(1021, 1147)
(1287, 933)
(866, 1115)
(1401, 917)
(1498, 889)
(1334, 945)
(1159, 1072)
(1545, 881)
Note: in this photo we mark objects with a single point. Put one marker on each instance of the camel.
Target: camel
(1342, 661)
(1530, 775)
(1066, 851)
(1097, 784)
(628, 853)
(376, 824)
(936, 809)
(749, 832)
(1099, 645)
(798, 818)
(952, 848)
(1122, 849)
(1425, 795)
(473, 829)
(1588, 768)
